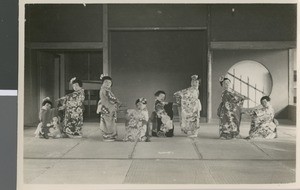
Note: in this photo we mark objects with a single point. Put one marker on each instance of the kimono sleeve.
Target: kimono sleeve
(111, 97)
(220, 109)
(178, 95)
(81, 96)
(169, 109)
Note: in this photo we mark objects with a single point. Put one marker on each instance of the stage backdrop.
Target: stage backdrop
(143, 62)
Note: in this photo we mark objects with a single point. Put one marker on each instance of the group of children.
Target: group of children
(67, 120)
(138, 126)
(50, 122)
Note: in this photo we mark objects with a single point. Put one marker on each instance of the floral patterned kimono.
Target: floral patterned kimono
(262, 123)
(189, 111)
(73, 120)
(108, 106)
(229, 112)
(136, 125)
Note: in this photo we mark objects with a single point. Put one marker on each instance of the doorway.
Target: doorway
(56, 68)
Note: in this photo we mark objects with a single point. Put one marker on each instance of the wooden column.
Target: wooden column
(209, 88)
(106, 67)
(209, 68)
(62, 75)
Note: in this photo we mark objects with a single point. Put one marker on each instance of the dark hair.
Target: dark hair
(265, 98)
(77, 81)
(106, 78)
(221, 82)
(142, 100)
(46, 101)
(159, 93)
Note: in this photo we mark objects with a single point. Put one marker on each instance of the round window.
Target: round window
(251, 79)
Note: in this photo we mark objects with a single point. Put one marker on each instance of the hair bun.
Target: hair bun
(221, 79)
(101, 76)
(72, 79)
(142, 100)
(194, 77)
(47, 98)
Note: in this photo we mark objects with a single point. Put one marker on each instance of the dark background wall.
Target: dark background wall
(64, 23)
(250, 22)
(157, 15)
(146, 61)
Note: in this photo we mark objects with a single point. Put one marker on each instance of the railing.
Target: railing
(248, 87)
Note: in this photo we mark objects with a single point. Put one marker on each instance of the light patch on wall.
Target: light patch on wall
(251, 79)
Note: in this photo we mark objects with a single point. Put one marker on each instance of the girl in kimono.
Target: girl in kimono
(263, 124)
(46, 115)
(137, 122)
(73, 105)
(229, 111)
(107, 107)
(161, 120)
(189, 107)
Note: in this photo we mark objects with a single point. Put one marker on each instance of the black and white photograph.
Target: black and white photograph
(157, 95)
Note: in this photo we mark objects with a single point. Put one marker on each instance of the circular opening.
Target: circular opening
(251, 79)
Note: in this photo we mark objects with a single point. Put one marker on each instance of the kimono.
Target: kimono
(55, 128)
(107, 107)
(46, 118)
(229, 113)
(189, 109)
(162, 120)
(136, 125)
(73, 118)
(263, 124)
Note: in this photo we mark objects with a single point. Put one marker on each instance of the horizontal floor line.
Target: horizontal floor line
(185, 159)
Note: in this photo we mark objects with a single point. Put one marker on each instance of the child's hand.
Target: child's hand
(62, 108)
(49, 124)
(165, 103)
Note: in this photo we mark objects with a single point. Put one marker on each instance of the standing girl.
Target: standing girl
(107, 107)
(189, 107)
(73, 105)
(229, 111)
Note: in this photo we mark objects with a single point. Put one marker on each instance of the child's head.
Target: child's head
(160, 95)
(47, 103)
(141, 103)
(76, 83)
(106, 81)
(265, 101)
(195, 82)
